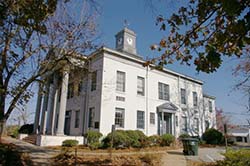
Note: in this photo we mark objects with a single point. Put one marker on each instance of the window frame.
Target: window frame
(210, 106)
(91, 117)
(140, 120)
(195, 99)
(119, 121)
(163, 91)
(77, 118)
(140, 88)
(93, 80)
(152, 118)
(120, 83)
(183, 96)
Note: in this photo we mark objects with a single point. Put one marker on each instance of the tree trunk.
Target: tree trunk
(2, 128)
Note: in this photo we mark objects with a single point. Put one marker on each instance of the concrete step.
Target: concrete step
(30, 139)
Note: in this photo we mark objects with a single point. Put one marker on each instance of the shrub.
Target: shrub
(70, 143)
(12, 131)
(154, 140)
(184, 136)
(120, 139)
(212, 136)
(137, 138)
(26, 129)
(236, 157)
(93, 136)
(167, 139)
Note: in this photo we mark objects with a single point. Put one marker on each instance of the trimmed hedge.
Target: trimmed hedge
(212, 136)
(93, 138)
(235, 157)
(70, 143)
(167, 139)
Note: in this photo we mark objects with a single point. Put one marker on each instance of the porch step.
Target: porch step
(30, 139)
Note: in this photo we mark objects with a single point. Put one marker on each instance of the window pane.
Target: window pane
(163, 91)
(184, 124)
(140, 86)
(77, 118)
(119, 117)
(210, 106)
(120, 81)
(140, 119)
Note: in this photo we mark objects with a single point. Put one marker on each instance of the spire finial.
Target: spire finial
(126, 23)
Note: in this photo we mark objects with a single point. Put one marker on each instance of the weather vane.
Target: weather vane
(126, 23)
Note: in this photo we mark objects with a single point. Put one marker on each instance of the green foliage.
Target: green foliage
(154, 140)
(235, 158)
(12, 131)
(70, 143)
(167, 139)
(126, 138)
(184, 136)
(26, 129)
(120, 139)
(208, 30)
(93, 138)
(212, 136)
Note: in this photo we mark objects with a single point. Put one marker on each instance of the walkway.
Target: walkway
(39, 155)
(174, 158)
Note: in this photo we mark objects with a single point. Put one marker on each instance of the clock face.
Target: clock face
(119, 41)
(130, 41)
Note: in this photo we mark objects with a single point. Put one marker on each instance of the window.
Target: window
(91, 116)
(183, 96)
(163, 91)
(176, 121)
(70, 90)
(210, 106)
(196, 124)
(77, 118)
(120, 98)
(184, 124)
(207, 124)
(195, 99)
(140, 86)
(152, 118)
(120, 81)
(119, 117)
(140, 119)
(93, 80)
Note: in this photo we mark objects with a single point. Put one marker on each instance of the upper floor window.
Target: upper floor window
(195, 99)
(183, 96)
(120, 81)
(140, 119)
(163, 91)
(140, 86)
(119, 117)
(210, 106)
(77, 118)
(70, 90)
(80, 87)
(93, 80)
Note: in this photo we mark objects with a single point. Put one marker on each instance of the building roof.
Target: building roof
(141, 61)
(168, 106)
(209, 96)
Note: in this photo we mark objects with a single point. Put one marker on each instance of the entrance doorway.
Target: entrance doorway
(67, 122)
(165, 123)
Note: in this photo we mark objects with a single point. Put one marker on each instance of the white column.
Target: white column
(52, 106)
(63, 102)
(44, 109)
(38, 109)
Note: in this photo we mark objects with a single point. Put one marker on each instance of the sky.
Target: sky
(141, 18)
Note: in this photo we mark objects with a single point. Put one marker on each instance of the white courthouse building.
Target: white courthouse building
(113, 86)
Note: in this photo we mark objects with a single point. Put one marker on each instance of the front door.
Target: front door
(67, 123)
(165, 125)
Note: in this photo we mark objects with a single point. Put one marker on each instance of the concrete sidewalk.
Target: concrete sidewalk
(39, 155)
